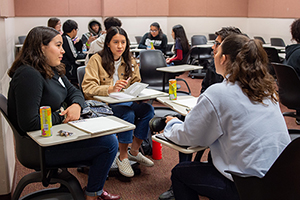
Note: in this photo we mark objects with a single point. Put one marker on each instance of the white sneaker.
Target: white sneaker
(140, 159)
(124, 167)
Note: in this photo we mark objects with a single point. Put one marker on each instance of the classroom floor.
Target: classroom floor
(152, 181)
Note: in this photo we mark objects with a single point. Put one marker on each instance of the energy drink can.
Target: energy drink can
(46, 121)
(172, 89)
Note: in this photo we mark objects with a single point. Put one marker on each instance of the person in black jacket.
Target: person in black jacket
(72, 52)
(38, 80)
(155, 36)
(293, 51)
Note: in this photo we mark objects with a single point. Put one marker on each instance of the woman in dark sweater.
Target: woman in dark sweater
(38, 80)
(156, 37)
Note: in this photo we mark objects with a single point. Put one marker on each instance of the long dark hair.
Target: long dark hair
(108, 57)
(180, 34)
(32, 55)
(160, 33)
(53, 21)
(249, 66)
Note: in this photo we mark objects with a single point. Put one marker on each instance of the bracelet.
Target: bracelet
(87, 44)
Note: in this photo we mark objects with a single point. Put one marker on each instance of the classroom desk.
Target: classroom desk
(80, 62)
(182, 149)
(176, 69)
(204, 45)
(174, 106)
(78, 135)
(145, 95)
(279, 49)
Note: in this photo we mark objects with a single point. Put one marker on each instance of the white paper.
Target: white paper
(190, 102)
(97, 125)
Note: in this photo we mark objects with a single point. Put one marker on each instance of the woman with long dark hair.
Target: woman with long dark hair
(181, 46)
(109, 71)
(239, 120)
(156, 37)
(38, 80)
(55, 23)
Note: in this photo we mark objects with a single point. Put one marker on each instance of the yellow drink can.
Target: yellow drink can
(172, 89)
(46, 121)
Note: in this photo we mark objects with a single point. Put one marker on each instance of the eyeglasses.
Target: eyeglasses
(153, 31)
(216, 43)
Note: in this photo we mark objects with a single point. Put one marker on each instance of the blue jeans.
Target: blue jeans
(98, 152)
(135, 113)
(190, 179)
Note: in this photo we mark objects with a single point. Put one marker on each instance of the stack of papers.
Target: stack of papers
(97, 125)
(133, 91)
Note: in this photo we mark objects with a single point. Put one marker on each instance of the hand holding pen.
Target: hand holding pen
(120, 84)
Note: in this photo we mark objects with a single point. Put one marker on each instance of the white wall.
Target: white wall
(265, 27)
(7, 152)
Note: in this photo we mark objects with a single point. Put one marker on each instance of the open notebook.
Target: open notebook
(133, 91)
(97, 125)
(190, 103)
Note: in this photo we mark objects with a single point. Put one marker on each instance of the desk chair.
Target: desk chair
(22, 39)
(138, 39)
(288, 89)
(80, 75)
(260, 38)
(280, 182)
(32, 156)
(273, 57)
(212, 36)
(198, 40)
(149, 61)
(200, 56)
(277, 42)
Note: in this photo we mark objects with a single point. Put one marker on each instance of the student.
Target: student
(246, 130)
(109, 71)
(98, 44)
(210, 78)
(293, 51)
(155, 36)
(95, 29)
(181, 46)
(72, 52)
(55, 23)
(38, 80)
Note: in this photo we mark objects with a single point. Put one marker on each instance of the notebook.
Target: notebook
(97, 125)
(131, 92)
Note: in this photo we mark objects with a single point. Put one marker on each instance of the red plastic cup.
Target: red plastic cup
(156, 150)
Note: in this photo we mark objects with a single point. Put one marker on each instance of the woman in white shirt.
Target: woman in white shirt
(238, 119)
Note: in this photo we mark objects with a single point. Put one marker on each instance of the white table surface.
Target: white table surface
(78, 134)
(187, 150)
(178, 68)
(174, 106)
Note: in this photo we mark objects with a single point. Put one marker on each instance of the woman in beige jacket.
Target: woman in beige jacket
(110, 71)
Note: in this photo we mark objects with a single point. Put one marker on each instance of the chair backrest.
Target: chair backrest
(138, 39)
(22, 39)
(80, 75)
(149, 61)
(200, 54)
(272, 54)
(260, 38)
(288, 85)
(280, 182)
(26, 149)
(198, 39)
(212, 36)
(277, 42)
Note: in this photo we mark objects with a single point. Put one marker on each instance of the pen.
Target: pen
(126, 81)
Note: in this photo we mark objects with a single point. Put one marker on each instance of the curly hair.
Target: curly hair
(108, 57)
(32, 55)
(295, 30)
(248, 67)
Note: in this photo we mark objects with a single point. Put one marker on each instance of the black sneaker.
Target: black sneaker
(168, 195)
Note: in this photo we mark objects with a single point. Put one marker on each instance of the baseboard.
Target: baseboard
(5, 197)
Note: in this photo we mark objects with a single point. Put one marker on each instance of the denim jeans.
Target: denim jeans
(135, 113)
(98, 152)
(190, 179)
